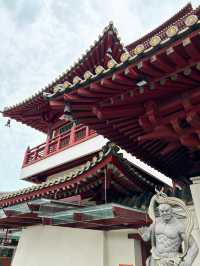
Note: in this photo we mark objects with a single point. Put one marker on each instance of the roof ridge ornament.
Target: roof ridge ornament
(155, 40)
(87, 75)
(191, 20)
(125, 56)
(138, 49)
(172, 31)
(99, 70)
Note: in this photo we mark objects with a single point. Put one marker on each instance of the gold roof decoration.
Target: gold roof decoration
(99, 69)
(111, 63)
(191, 20)
(76, 80)
(198, 66)
(125, 56)
(58, 88)
(88, 75)
(172, 31)
(155, 40)
(138, 49)
(66, 84)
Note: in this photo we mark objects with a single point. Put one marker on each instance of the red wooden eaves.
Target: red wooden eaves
(53, 188)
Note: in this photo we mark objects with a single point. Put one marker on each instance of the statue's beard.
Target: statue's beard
(166, 218)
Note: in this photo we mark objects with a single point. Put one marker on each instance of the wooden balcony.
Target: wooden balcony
(52, 146)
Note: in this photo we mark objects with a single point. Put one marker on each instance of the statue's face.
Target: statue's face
(165, 211)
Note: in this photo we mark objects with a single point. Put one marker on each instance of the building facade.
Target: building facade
(88, 197)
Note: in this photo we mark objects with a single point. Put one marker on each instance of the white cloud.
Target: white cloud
(41, 38)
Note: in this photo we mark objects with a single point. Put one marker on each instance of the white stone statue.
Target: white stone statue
(171, 239)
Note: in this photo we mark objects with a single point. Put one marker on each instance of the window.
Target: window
(63, 129)
(66, 128)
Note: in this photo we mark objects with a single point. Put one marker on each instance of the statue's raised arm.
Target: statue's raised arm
(145, 232)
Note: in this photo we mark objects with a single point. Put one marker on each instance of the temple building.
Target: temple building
(88, 195)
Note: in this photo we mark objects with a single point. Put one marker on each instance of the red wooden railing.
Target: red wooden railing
(51, 146)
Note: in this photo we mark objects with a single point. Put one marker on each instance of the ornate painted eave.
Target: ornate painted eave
(103, 57)
(175, 20)
(170, 34)
(144, 102)
(98, 54)
(109, 158)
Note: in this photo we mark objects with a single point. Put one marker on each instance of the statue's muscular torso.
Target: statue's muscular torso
(168, 237)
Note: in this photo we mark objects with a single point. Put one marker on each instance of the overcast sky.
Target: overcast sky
(41, 38)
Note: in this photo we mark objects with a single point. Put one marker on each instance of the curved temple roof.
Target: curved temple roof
(172, 30)
(148, 102)
(136, 179)
(133, 94)
(37, 113)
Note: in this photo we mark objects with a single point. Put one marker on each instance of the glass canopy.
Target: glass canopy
(59, 212)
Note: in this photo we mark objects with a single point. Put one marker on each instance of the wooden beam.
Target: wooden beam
(117, 87)
(86, 93)
(190, 48)
(111, 112)
(175, 57)
(78, 98)
(158, 62)
(56, 105)
(120, 79)
(150, 70)
(131, 72)
(135, 236)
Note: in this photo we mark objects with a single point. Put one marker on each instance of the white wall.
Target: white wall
(65, 156)
(59, 246)
(62, 246)
(121, 250)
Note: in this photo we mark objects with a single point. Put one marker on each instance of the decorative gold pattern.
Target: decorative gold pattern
(191, 20)
(58, 88)
(66, 84)
(99, 69)
(172, 31)
(111, 63)
(76, 80)
(139, 49)
(125, 56)
(198, 66)
(87, 75)
(155, 40)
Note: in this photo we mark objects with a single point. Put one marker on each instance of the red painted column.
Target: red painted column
(87, 133)
(46, 149)
(26, 156)
(58, 143)
(72, 135)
